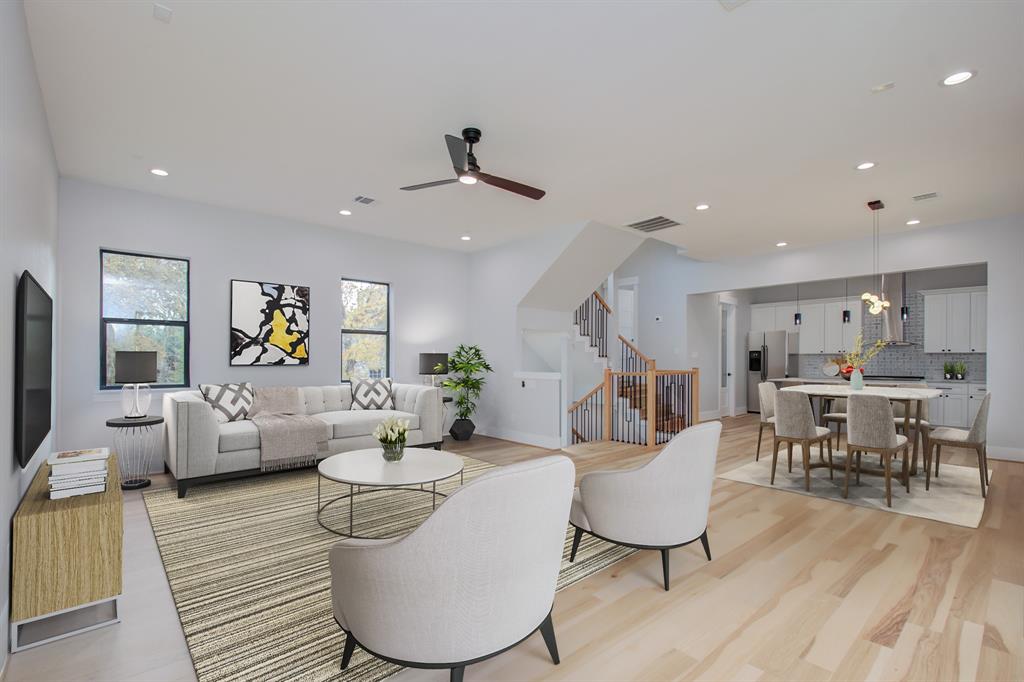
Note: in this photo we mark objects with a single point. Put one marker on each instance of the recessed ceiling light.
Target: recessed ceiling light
(866, 165)
(465, 237)
(345, 211)
(913, 221)
(467, 179)
(702, 207)
(882, 87)
(159, 171)
(781, 244)
(958, 78)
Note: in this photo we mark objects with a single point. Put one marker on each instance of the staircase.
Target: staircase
(637, 403)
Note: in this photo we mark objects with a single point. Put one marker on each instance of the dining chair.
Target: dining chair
(794, 423)
(975, 439)
(766, 396)
(836, 414)
(899, 411)
(474, 580)
(661, 505)
(871, 428)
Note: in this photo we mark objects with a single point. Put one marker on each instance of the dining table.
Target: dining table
(904, 395)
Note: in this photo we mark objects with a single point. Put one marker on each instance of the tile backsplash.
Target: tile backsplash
(900, 360)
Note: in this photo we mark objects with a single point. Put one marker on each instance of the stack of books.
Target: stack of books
(78, 472)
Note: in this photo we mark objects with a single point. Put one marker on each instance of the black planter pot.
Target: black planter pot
(462, 429)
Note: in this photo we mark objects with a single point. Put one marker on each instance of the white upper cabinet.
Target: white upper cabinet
(979, 321)
(955, 322)
(812, 328)
(853, 327)
(762, 319)
(834, 327)
(784, 318)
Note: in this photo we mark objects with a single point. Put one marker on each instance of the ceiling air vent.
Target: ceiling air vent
(926, 196)
(654, 224)
(364, 200)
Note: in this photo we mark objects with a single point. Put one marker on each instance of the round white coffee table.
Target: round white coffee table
(367, 469)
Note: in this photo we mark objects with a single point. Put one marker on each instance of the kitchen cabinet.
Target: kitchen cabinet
(974, 398)
(952, 407)
(955, 322)
(979, 321)
(784, 318)
(853, 327)
(812, 329)
(839, 337)
(762, 319)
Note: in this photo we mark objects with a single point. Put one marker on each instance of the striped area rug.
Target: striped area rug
(247, 564)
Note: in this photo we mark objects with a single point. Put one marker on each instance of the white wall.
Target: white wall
(428, 291)
(28, 241)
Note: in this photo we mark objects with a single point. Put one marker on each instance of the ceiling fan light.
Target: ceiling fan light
(467, 179)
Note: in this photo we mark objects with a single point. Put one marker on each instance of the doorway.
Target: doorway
(726, 360)
(626, 306)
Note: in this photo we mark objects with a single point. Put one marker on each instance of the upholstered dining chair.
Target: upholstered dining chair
(976, 439)
(476, 578)
(871, 428)
(794, 424)
(899, 411)
(660, 505)
(766, 391)
(836, 414)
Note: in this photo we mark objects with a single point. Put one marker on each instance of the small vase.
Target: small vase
(856, 380)
(959, 377)
(948, 376)
(392, 452)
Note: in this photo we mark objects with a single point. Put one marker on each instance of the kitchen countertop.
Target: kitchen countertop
(868, 382)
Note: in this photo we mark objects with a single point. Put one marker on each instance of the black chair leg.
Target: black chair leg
(547, 630)
(575, 544)
(664, 566)
(350, 646)
(704, 541)
(457, 673)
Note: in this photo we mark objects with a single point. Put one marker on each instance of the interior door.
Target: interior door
(727, 360)
(626, 304)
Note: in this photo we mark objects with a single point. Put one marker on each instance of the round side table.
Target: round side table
(134, 441)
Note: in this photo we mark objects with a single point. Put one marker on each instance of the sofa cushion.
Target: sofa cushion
(230, 402)
(239, 435)
(372, 394)
(349, 423)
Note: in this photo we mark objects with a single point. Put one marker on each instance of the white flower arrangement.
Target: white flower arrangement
(392, 431)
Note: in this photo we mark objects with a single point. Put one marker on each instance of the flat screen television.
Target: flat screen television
(33, 367)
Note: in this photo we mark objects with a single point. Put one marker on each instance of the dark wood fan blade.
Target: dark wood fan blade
(425, 185)
(457, 150)
(511, 185)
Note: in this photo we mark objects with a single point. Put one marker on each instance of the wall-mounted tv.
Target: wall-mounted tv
(33, 363)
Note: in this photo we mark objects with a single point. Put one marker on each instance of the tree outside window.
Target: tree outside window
(365, 330)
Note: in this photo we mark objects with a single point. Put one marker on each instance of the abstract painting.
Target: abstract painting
(269, 324)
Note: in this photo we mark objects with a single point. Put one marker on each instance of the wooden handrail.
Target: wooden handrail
(633, 348)
(589, 395)
(604, 304)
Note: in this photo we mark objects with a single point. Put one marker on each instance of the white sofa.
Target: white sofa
(201, 450)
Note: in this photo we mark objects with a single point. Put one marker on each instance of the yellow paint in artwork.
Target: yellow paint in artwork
(300, 351)
(280, 337)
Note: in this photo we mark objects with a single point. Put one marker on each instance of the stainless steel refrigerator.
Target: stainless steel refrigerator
(767, 358)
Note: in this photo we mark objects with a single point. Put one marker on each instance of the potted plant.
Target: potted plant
(392, 433)
(467, 365)
(947, 370)
(854, 361)
(960, 370)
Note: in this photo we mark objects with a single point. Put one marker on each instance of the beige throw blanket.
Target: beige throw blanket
(287, 439)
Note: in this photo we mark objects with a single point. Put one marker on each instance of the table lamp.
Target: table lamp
(433, 364)
(136, 369)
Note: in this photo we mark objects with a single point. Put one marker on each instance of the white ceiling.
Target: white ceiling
(620, 110)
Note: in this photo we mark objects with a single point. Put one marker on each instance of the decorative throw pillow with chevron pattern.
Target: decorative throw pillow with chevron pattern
(372, 394)
(230, 402)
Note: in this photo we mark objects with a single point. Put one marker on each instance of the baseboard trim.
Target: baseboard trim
(710, 415)
(535, 439)
(1006, 454)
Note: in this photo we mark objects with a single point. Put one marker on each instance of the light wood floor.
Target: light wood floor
(799, 589)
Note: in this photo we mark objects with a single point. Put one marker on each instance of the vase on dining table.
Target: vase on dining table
(857, 379)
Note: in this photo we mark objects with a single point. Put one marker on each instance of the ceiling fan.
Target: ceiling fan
(467, 170)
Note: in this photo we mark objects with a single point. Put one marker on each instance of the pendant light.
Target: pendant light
(798, 318)
(875, 302)
(904, 310)
(846, 304)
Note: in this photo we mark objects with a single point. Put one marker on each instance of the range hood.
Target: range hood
(892, 323)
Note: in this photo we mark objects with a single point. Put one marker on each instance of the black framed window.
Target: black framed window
(365, 330)
(144, 304)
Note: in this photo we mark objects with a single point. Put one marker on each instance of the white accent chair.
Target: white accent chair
(477, 578)
(660, 505)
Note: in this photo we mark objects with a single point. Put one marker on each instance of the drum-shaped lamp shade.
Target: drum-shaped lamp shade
(429, 361)
(135, 366)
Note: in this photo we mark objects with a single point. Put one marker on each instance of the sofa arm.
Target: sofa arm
(424, 401)
(192, 436)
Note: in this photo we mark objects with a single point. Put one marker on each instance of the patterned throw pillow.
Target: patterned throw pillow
(230, 402)
(372, 394)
